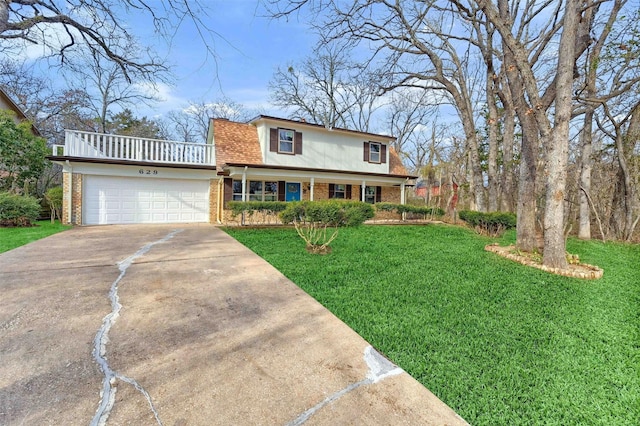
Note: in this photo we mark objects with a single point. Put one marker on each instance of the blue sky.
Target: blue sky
(249, 47)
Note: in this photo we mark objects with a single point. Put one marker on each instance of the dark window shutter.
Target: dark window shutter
(383, 153)
(366, 151)
(228, 190)
(273, 140)
(348, 193)
(281, 190)
(378, 194)
(298, 142)
(332, 190)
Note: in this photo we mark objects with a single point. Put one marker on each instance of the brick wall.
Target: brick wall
(76, 214)
(65, 190)
(73, 184)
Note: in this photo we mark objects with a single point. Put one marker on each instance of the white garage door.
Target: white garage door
(111, 200)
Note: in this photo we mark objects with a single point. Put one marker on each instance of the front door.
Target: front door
(292, 192)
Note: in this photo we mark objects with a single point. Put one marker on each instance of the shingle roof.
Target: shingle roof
(235, 143)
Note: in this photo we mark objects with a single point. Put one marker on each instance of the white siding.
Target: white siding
(323, 149)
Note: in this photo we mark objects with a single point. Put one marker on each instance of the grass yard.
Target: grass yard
(11, 238)
(500, 343)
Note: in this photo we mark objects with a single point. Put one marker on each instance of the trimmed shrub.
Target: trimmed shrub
(312, 220)
(256, 212)
(239, 207)
(411, 209)
(493, 224)
(386, 207)
(18, 210)
(332, 213)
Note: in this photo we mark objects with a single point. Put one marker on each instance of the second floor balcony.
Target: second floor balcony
(132, 148)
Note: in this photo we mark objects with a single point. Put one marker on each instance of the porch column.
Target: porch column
(362, 191)
(244, 184)
(404, 214)
(311, 184)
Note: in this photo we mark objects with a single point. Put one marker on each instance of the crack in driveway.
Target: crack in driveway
(108, 392)
(379, 369)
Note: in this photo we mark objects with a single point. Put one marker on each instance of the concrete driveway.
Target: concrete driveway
(182, 325)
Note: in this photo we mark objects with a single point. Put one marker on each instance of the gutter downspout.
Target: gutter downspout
(70, 194)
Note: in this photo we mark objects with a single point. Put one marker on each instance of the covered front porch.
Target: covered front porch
(258, 183)
(268, 183)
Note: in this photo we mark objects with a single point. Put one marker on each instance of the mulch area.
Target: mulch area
(578, 270)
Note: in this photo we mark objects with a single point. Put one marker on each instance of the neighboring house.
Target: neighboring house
(431, 191)
(7, 103)
(117, 179)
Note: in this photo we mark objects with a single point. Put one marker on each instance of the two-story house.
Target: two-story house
(111, 179)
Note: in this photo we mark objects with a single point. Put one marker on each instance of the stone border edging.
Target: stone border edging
(592, 272)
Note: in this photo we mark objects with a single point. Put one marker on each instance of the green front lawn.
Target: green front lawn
(500, 343)
(11, 238)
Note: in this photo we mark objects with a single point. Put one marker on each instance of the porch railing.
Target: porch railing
(118, 147)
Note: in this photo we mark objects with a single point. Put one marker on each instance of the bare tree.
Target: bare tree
(412, 119)
(50, 109)
(191, 124)
(327, 88)
(575, 24)
(61, 26)
(107, 86)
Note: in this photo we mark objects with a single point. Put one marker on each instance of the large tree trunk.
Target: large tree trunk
(507, 199)
(624, 144)
(492, 163)
(526, 205)
(465, 112)
(526, 202)
(557, 144)
(586, 142)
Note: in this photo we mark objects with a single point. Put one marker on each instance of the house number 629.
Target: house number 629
(147, 172)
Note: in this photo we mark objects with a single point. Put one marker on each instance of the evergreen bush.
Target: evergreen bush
(493, 224)
(18, 210)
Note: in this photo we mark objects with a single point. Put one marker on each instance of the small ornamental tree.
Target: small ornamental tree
(22, 154)
(317, 222)
(54, 200)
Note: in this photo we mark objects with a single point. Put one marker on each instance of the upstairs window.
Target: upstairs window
(285, 141)
(375, 152)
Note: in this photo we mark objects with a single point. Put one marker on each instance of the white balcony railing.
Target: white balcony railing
(118, 147)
